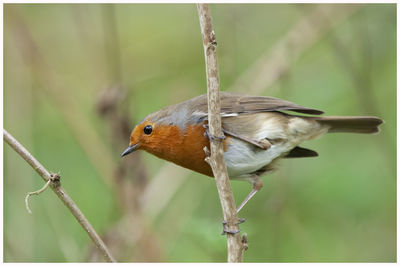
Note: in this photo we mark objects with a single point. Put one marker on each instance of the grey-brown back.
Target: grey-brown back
(195, 110)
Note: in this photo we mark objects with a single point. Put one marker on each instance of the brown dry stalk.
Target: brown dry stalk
(216, 158)
(61, 193)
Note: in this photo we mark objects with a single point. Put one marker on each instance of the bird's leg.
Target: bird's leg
(211, 137)
(257, 185)
(251, 194)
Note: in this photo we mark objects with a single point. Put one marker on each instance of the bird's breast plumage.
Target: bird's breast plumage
(181, 146)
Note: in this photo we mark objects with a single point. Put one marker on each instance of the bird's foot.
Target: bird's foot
(233, 232)
(212, 137)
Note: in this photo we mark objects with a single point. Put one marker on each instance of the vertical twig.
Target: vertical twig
(216, 159)
(61, 193)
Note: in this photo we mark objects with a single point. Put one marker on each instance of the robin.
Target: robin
(258, 133)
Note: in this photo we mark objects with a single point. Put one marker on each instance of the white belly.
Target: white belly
(243, 158)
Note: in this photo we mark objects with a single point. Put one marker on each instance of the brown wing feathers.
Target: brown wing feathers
(242, 104)
(237, 103)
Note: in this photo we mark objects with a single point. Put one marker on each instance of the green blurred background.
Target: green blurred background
(78, 77)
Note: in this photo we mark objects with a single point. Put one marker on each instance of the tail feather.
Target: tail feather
(299, 152)
(351, 124)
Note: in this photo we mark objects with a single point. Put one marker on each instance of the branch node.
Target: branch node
(55, 180)
(213, 39)
(245, 246)
(207, 152)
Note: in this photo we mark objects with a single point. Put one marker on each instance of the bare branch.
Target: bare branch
(61, 193)
(216, 159)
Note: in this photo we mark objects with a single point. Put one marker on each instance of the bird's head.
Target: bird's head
(142, 136)
(161, 131)
(156, 131)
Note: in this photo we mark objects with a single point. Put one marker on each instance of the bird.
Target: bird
(258, 132)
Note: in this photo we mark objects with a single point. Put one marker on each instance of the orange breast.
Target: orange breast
(183, 147)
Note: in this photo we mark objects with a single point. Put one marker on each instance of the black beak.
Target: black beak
(130, 149)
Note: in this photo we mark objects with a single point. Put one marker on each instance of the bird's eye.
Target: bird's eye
(148, 129)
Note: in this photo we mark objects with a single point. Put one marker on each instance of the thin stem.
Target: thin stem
(37, 192)
(61, 193)
(216, 158)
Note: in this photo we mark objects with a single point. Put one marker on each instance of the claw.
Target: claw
(226, 231)
(212, 137)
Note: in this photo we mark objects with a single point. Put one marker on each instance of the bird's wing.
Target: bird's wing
(242, 114)
(233, 103)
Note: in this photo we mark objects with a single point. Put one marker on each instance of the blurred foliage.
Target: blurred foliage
(340, 206)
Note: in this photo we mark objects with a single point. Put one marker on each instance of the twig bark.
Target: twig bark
(216, 159)
(61, 193)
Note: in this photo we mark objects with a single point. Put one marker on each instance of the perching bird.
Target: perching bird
(258, 133)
